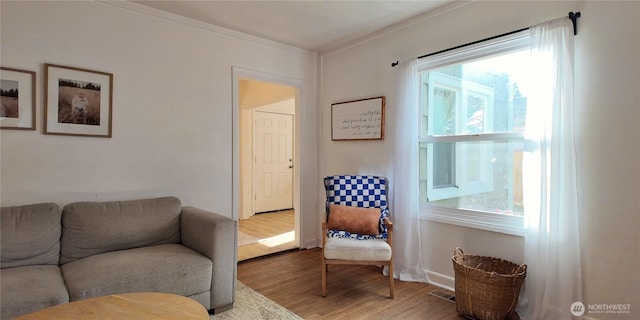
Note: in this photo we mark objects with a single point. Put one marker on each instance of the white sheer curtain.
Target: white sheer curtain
(407, 250)
(552, 246)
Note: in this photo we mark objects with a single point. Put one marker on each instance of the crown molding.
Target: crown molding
(454, 5)
(142, 9)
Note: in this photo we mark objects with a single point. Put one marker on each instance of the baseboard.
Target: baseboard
(313, 243)
(441, 280)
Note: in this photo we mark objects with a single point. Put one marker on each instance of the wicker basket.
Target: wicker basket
(486, 288)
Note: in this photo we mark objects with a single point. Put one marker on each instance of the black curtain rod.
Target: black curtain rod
(573, 16)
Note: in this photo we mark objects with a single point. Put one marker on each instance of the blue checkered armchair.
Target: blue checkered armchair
(345, 247)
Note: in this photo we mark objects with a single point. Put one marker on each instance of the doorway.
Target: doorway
(266, 179)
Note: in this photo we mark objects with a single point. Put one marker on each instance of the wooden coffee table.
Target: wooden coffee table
(143, 305)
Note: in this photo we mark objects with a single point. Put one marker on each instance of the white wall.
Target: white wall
(172, 105)
(172, 117)
(607, 79)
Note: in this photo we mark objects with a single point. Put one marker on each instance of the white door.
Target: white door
(273, 170)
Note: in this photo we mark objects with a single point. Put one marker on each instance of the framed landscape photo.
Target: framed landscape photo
(358, 119)
(78, 102)
(18, 98)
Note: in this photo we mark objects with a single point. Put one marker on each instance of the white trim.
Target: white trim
(270, 100)
(501, 223)
(512, 42)
(433, 13)
(238, 73)
(203, 25)
(473, 137)
(440, 280)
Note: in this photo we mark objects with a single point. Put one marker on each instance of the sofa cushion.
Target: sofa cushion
(90, 228)
(30, 235)
(171, 268)
(30, 288)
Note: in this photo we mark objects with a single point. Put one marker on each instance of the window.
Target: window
(473, 107)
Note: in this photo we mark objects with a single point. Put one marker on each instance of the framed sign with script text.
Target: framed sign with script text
(358, 119)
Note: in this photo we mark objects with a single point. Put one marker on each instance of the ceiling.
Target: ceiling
(314, 25)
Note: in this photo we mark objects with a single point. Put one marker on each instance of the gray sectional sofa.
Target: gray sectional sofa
(88, 249)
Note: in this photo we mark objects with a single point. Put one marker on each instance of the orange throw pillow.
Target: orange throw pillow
(354, 219)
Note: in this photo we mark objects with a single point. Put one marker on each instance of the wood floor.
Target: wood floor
(276, 227)
(292, 279)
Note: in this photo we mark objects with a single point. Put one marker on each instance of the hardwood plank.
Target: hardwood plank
(267, 226)
(292, 279)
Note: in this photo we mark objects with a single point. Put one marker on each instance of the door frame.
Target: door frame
(239, 73)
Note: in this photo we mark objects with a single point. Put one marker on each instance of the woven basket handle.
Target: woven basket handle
(521, 268)
(458, 251)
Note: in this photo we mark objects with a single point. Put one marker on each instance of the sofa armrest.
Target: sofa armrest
(214, 236)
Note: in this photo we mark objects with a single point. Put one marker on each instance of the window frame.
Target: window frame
(502, 223)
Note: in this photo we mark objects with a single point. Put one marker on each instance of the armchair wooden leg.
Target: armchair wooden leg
(391, 279)
(324, 278)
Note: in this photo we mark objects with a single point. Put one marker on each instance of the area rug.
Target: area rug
(245, 239)
(251, 305)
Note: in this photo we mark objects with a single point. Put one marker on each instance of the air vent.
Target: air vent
(445, 295)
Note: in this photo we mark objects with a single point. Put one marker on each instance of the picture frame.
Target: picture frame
(18, 95)
(361, 119)
(78, 102)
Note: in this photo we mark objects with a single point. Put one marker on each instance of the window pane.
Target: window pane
(444, 168)
(486, 177)
(460, 103)
(483, 96)
(475, 113)
(444, 111)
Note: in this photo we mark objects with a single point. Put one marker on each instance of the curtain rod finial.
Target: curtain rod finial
(574, 16)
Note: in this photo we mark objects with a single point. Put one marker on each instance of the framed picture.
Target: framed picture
(18, 96)
(77, 102)
(358, 119)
